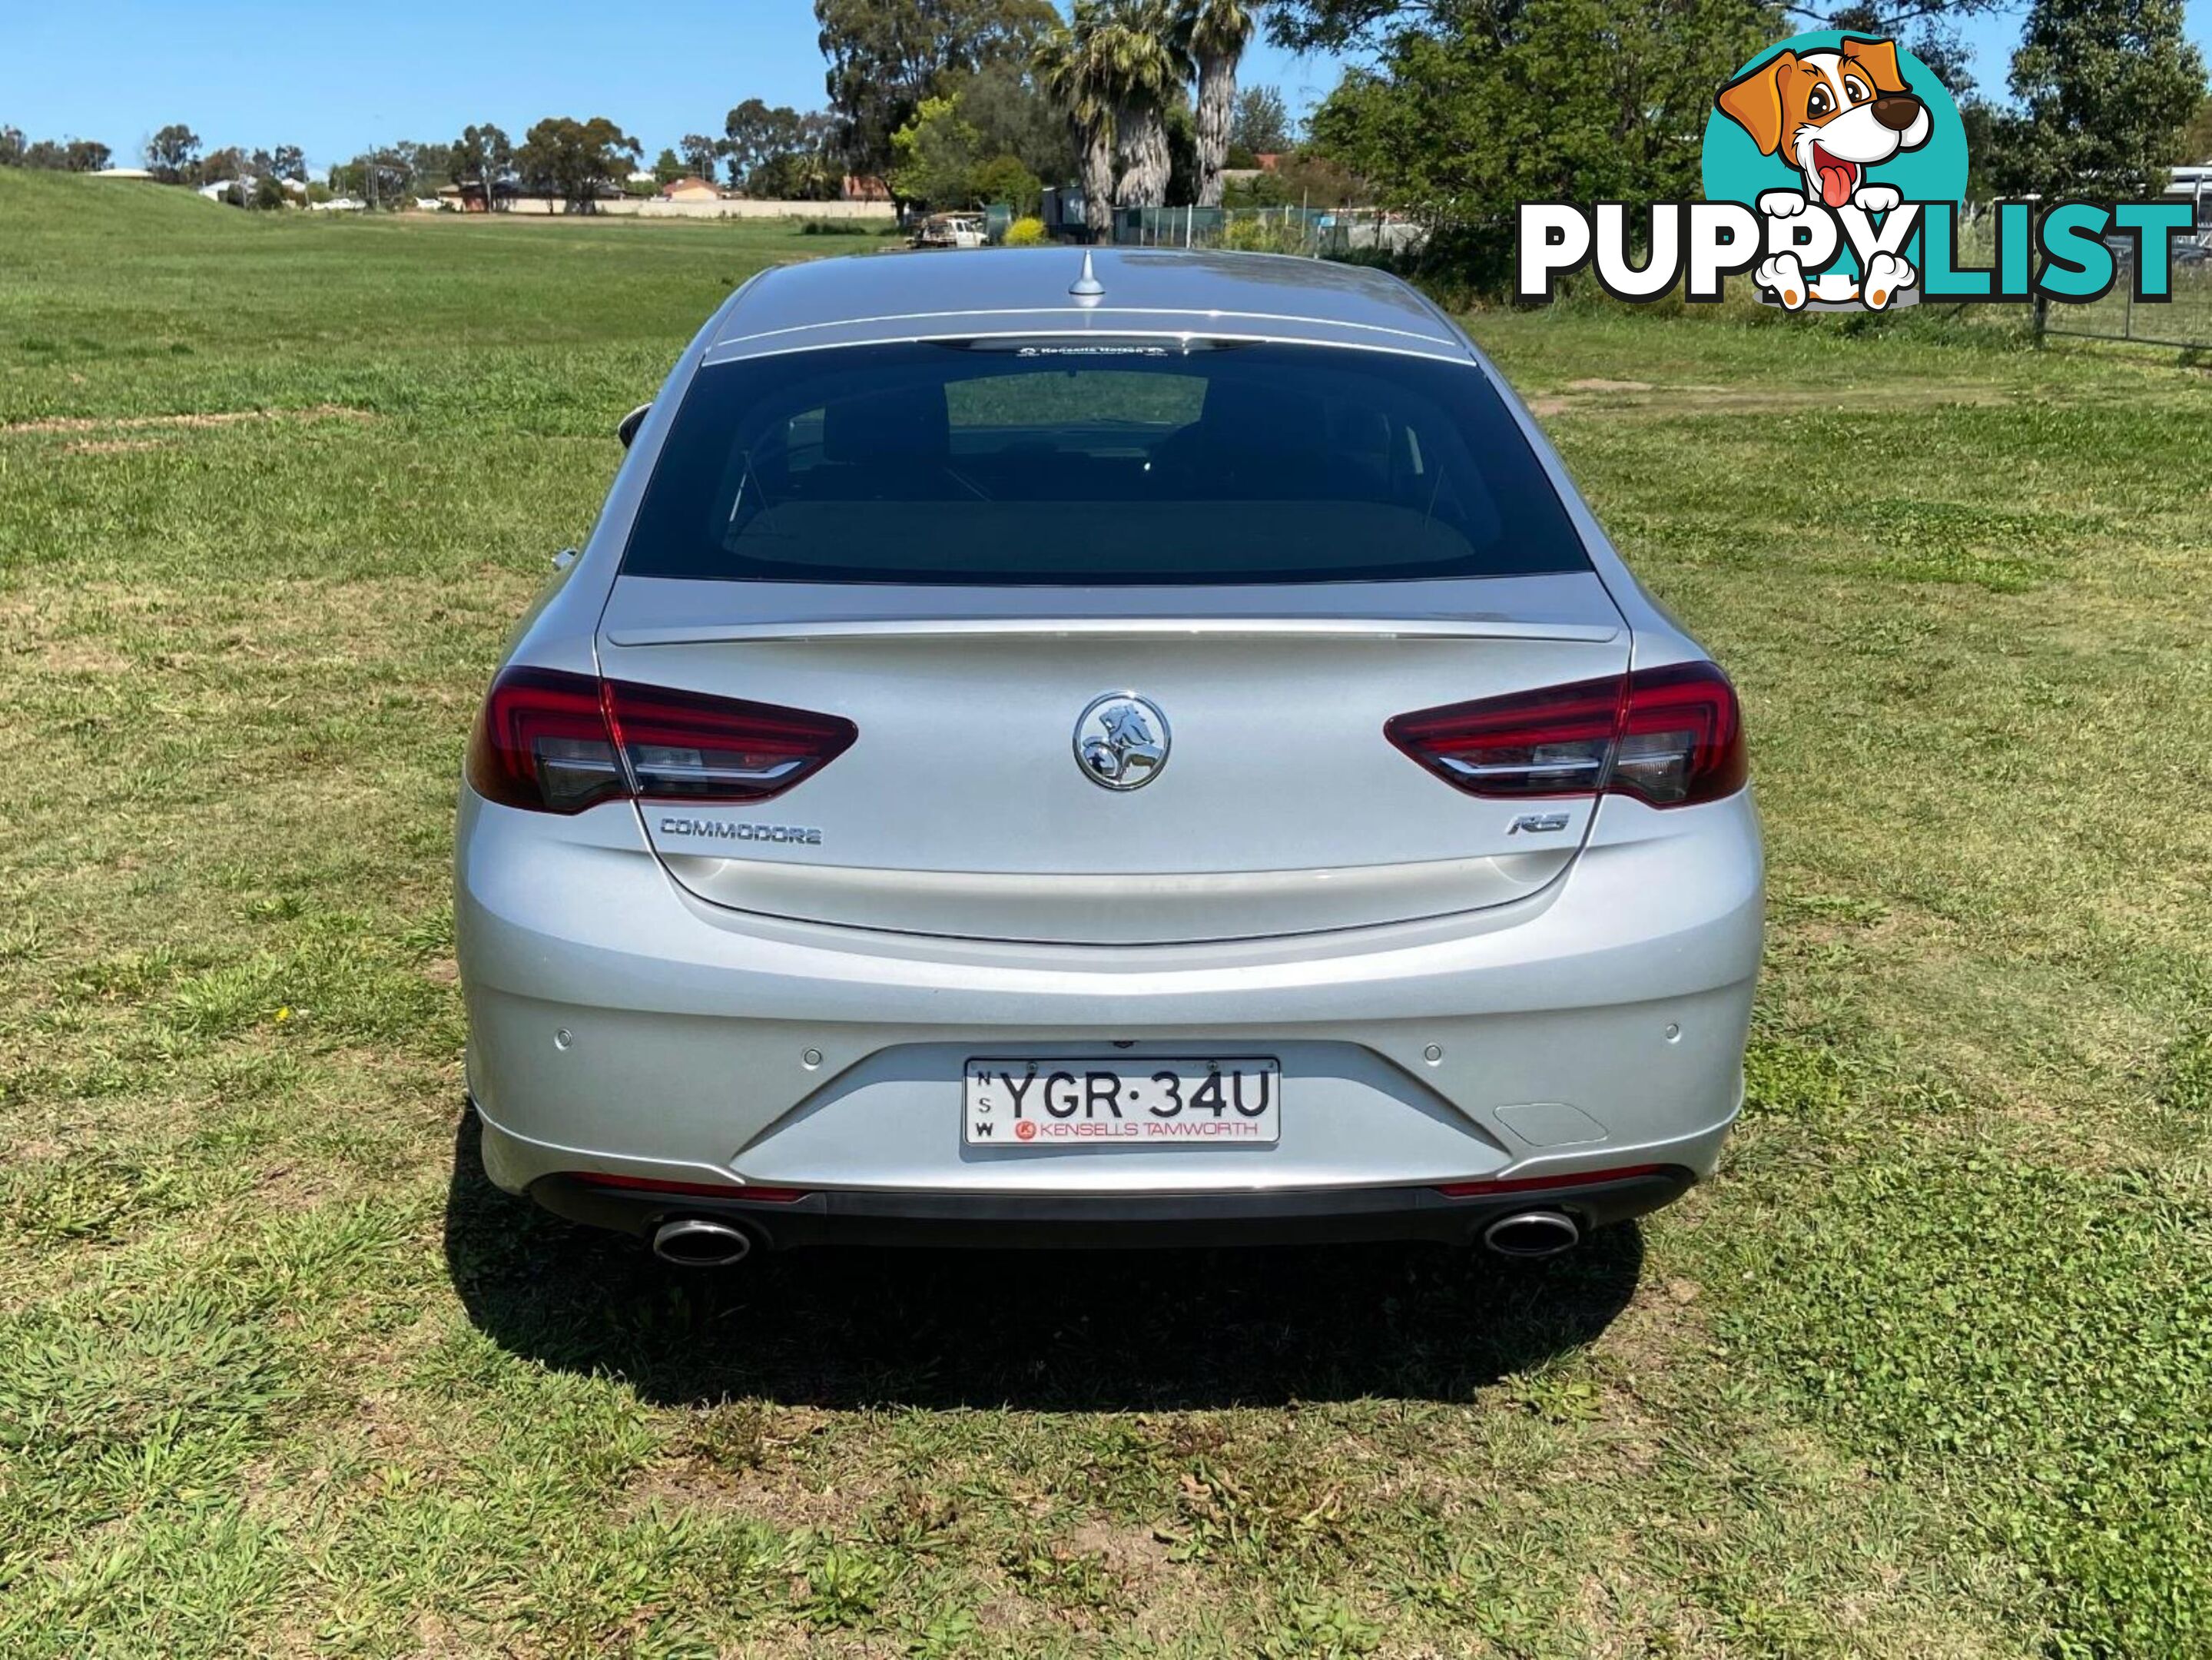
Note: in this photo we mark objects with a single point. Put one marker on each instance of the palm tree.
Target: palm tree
(1075, 75)
(1145, 68)
(1215, 33)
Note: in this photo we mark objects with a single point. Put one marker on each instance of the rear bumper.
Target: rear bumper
(1063, 1221)
(621, 1026)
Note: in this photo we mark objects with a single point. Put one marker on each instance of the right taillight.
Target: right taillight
(1669, 736)
(1681, 737)
(551, 741)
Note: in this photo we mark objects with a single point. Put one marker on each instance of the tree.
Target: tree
(384, 178)
(934, 156)
(172, 152)
(1941, 49)
(2196, 136)
(754, 134)
(67, 155)
(886, 56)
(940, 158)
(810, 174)
(576, 160)
(1214, 33)
(1012, 116)
(269, 192)
(221, 166)
(1004, 179)
(1262, 122)
(1364, 26)
(1073, 72)
(2105, 89)
(700, 154)
(1337, 25)
(668, 167)
(289, 162)
(485, 157)
(429, 166)
(779, 154)
(1144, 72)
(1480, 105)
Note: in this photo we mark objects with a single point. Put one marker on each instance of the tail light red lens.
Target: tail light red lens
(700, 1190)
(1681, 737)
(1538, 1184)
(1670, 736)
(550, 741)
(695, 748)
(542, 743)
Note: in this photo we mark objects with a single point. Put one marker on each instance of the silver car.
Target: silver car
(1138, 747)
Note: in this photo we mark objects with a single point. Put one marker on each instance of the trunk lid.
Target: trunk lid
(1268, 803)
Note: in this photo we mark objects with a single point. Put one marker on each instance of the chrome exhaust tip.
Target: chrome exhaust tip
(697, 1242)
(1532, 1235)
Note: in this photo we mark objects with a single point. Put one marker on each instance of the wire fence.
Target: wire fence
(2181, 322)
(1316, 233)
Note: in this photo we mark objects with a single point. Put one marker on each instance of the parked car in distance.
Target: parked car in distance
(952, 230)
(1121, 747)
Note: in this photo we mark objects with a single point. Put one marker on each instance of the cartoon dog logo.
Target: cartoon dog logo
(1832, 115)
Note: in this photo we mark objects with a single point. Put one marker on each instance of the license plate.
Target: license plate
(1122, 1104)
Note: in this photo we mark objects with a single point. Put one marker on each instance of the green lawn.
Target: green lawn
(1927, 1372)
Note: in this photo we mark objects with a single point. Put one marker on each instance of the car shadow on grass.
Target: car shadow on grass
(1040, 1330)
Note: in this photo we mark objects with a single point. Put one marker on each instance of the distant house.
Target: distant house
(860, 188)
(120, 172)
(690, 189)
(221, 188)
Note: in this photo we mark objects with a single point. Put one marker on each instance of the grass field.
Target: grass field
(1927, 1372)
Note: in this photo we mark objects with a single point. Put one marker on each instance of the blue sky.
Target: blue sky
(335, 79)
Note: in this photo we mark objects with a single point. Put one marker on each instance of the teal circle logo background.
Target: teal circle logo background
(1735, 171)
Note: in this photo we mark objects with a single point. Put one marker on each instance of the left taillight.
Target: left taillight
(551, 741)
(542, 743)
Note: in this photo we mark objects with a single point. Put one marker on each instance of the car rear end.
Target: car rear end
(1122, 773)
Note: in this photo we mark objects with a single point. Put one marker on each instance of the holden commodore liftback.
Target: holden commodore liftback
(1133, 746)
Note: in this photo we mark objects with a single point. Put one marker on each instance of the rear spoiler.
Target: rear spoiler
(1119, 628)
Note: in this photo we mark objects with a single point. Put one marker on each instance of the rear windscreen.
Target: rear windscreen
(1090, 464)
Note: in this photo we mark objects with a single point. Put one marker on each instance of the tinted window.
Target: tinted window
(1054, 462)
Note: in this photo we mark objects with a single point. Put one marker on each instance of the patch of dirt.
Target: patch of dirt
(288, 1188)
(66, 423)
(1635, 397)
(110, 445)
(1132, 1555)
(778, 1497)
(81, 657)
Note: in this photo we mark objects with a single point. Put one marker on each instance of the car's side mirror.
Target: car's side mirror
(626, 429)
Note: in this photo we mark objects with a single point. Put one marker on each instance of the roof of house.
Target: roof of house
(685, 183)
